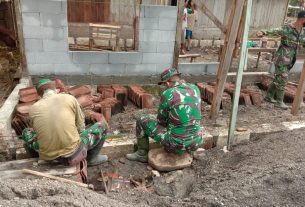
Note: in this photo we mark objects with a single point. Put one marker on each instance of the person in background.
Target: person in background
(184, 25)
(58, 129)
(292, 35)
(192, 18)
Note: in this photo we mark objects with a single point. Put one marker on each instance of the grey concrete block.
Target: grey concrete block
(53, 33)
(150, 36)
(90, 57)
(51, 20)
(29, 5)
(167, 24)
(32, 32)
(107, 69)
(31, 57)
(167, 36)
(40, 69)
(141, 70)
(71, 69)
(160, 11)
(125, 57)
(149, 23)
(166, 47)
(157, 58)
(64, 7)
(53, 58)
(31, 19)
(217, 43)
(212, 67)
(50, 6)
(192, 68)
(148, 46)
(55, 45)
(33, 45)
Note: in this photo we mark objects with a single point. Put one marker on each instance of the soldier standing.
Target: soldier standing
(178, 126)
(291, 36)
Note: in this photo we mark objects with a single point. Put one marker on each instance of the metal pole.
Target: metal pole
(242, 62)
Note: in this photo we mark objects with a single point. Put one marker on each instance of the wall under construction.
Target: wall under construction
(45, 31)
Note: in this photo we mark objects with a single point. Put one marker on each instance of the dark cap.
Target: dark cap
(301, 14)
(167, 74)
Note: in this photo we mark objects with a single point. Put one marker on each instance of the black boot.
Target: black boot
(94, 157)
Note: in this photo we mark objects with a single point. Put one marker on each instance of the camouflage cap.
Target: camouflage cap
(167, 74)
(42, 82)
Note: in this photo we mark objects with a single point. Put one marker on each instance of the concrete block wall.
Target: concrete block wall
(45, 30)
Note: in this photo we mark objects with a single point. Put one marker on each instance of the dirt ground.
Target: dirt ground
(247, 115)
(268, 171)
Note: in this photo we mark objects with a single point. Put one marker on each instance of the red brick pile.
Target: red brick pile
(248, 96)
(108, 101)
(290, 88)
(140, 97)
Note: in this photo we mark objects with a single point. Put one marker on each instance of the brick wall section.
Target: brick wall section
(45, 30)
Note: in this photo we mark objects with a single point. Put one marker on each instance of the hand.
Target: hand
(259, 34)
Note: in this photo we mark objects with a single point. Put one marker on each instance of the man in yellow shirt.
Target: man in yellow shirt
(59, 129)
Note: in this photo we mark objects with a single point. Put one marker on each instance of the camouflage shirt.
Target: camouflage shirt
(290, 40)
(180, 112)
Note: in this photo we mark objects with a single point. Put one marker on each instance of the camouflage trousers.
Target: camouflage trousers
(147, 126)
(281, 76)
(90, 136)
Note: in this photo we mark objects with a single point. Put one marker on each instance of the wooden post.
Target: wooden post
(240, 32)
(20, 34)
(136, 24)
(242, 64)
(179, 31)
(226, 59)
(299, 94)
(211, 16)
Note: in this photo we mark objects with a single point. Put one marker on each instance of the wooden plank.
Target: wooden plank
(178, 34)
(226, 57)
(242, 64)
(189, 55)
(256, 50)
(299, 94)
(212, 17)
(18, 13)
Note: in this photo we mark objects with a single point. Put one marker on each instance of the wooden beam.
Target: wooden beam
(242, 64)
(137, 4)
(209, 14)
(17, 6)
(180, 5)
(299, 94)
(226, 59)
(240, 32)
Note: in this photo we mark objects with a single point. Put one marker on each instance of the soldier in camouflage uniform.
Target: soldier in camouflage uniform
(291, 36)
(178, 126)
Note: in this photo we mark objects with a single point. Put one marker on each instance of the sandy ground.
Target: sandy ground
(268, 171)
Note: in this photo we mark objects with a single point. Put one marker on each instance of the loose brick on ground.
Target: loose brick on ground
(79, 90)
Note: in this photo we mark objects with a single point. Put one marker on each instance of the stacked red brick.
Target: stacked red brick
(290, 89)
(248, 96)
(140, 97)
